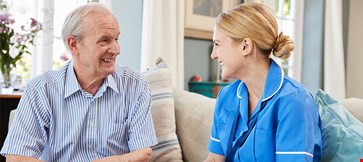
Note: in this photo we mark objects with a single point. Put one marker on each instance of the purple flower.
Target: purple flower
(5, 17)
(34, 22)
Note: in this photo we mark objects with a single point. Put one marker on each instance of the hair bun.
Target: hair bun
(284, 46)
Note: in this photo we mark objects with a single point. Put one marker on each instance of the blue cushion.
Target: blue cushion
(342, 133)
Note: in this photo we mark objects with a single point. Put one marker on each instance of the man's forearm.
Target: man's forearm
(141, 155)
(17, 158)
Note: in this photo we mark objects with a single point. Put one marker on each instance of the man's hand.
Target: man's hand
(141, 155)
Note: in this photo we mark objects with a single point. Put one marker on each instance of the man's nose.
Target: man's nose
(114, 48)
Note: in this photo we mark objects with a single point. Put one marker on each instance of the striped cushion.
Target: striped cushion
(162, 109)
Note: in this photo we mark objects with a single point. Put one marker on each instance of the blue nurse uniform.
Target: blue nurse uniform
(287, 129)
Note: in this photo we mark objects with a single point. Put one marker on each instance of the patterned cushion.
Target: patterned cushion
(162, 109)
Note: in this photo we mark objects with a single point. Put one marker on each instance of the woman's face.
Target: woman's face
(228, 53)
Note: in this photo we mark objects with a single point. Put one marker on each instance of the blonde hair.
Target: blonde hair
(255, 21)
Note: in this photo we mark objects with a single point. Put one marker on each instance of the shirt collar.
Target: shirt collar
(72, 85)
(274, 80)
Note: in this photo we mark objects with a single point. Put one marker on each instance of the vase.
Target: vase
(7, 86)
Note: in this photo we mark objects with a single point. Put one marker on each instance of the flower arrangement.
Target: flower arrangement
(15, 39)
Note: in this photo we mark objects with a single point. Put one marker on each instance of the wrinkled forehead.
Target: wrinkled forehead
(101, 22)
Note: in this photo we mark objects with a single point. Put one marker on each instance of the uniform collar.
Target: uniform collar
(274, 80)
(72, 85)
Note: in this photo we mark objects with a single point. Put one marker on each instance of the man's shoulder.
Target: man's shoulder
(47, 78)
(128, 73)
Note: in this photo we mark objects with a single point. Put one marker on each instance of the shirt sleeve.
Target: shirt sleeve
(27, 135)
(142, 133)
(215, 145)
(298, 136)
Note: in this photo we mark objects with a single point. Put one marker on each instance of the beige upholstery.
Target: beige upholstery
(194, 114)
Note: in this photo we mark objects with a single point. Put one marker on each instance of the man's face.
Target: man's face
(98, 47)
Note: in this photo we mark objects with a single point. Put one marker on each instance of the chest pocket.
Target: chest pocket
(114, 133)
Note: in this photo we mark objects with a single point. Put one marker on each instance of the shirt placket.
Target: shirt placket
(92, 124)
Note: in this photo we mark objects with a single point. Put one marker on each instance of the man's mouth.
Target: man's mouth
(107, 60)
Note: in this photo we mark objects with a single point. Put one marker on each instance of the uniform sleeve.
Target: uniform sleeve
(142, 133)
(298, 136)
(27, 135)
(215, 145)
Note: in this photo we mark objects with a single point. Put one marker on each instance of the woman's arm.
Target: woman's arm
(214, 158)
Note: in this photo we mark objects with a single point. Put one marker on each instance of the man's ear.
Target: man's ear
(247, 46)
(72, 43)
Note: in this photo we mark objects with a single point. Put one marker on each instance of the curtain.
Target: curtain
(163, 36)
(42, 61)
(334, 71)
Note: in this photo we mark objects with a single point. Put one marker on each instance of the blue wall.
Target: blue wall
(312, 67)
(129, 15)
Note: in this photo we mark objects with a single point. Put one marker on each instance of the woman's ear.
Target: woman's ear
(247, 46)
(72, 43)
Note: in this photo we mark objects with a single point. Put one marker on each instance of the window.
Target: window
(49, 51)
(289, 15)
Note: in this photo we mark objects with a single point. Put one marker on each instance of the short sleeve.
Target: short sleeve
(215, 145)
(142, 133)
(27, 135)
(298, 136)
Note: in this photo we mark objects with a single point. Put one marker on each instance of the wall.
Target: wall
(129, 15)
(354, 50)
(196, 59)
(312, 53)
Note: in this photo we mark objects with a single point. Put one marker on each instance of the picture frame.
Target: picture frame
(200, 17)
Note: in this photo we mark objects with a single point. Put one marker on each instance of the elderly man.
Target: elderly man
(88, 110)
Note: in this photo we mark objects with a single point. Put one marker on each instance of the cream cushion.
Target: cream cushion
(162, 109)
(355, 107)
(194, 114)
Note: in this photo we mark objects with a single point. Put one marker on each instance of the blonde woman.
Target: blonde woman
(263, 115)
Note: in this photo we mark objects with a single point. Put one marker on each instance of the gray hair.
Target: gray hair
(73, 22)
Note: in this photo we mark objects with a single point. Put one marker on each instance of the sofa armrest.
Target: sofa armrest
(194, 116)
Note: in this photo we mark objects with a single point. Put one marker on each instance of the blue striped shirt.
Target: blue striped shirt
(58, 121)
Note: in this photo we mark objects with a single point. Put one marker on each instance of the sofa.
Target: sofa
(183, 121)
(194, 115)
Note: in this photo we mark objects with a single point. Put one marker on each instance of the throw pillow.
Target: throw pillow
(194, 114)
(355, 107)
(162, 109)
(342, 133)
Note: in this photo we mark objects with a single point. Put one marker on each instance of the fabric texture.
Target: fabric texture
(162, 109)
(342, 133)
(58, 121)
(355, 107)
(194, 116)
(288, 127)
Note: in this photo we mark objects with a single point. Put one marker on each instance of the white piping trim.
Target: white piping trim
(238, 89)
(298, 152)
(214, 139)
(282, 80)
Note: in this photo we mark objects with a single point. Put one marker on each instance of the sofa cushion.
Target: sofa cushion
(342, 133)
(162, 109)
(355, 107)
(194, 117)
